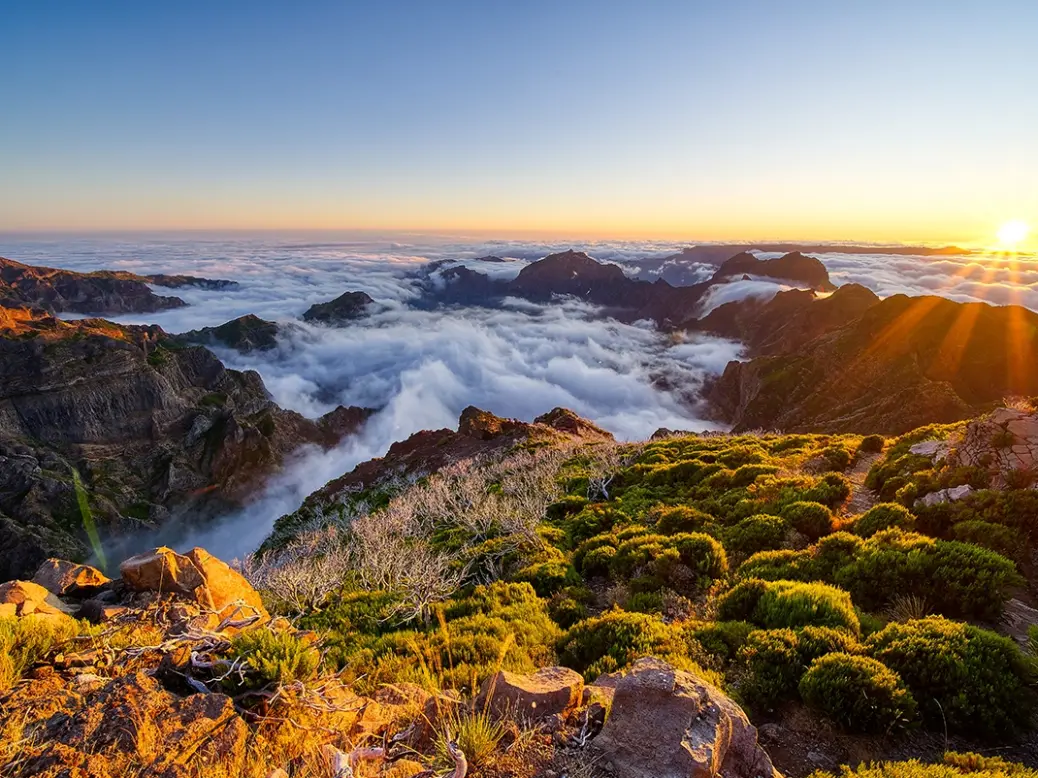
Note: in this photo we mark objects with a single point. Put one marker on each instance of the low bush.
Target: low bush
(618, 636)
(971, 679)
(722, 639)
(836, 457)
(792, 604)
(671, 520)
(884, 516)
(858, 693)
(1006, 541)
(953, 766)
(755, 533)
(687, 563)
(871, 444)
(546, 578)
(811, 519)
(272, 659)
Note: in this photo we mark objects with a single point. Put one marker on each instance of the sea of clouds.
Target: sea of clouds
(421, 367)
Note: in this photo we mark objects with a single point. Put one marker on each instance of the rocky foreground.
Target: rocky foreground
(162, 686)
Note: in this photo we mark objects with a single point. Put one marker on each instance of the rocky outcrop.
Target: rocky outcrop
(61, 291)
(1005, 443)
(551, 691)
(346, 307)
(152, 428)
(667, 723)
(246, 333)
(905, 362)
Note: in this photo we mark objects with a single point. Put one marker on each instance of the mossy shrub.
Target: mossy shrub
(792, 604)
(772, 664)
(687, 562)
(591, 520)
(830, 490)
(673, 519)
(1007, 541)
(886, 515)
(858, 693)
(272, 659)
(871, 444)
(811, 519)
(619, 635)
(836, 457)
(973, 679)
(546, 578)
(722, 639)
(755, 533)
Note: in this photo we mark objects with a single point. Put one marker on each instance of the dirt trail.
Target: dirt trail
(862, 498)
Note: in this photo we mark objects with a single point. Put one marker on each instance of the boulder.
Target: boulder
(225, 588)
(162, 570)
(63, 578)
(20, 598)
(667, 723)
(198, 575)
(547, 692)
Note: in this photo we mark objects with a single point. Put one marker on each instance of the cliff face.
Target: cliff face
(905, 362)
(153, 428)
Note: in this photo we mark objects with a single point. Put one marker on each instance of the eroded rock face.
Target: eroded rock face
(549, 691)
(666, 723)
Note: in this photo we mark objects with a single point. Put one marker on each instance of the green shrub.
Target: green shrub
(619, 635)
(775, 659)
(27, 640)
(687, 563)
(549, 577)
(781, 604)
(956, 579)
(755, 533)
(953, 766)
(974, 680)
(670, 520)
(272, 659)
(858, 693)
(836, 457)
(1006, 541)
(722, 639)
(811, 519)
(871, 444)
(747, 474)
(565, 507)
(831, 490)
(591, 520)
(773, 665)
(884, 516)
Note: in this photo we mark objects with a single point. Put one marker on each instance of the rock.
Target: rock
(225, 587)
(246, 333)
(98, 611)
(928, 448)
(198, 575)
(1017, 618)
(162, 570)
(62, 578)
(946, 495)
(345, 307)
(547, 692)
(667, 723)
(27, 597)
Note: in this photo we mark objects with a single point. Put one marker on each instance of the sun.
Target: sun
(1012, 233)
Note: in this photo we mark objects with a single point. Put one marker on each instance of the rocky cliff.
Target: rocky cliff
(152, 427)
(904, 362)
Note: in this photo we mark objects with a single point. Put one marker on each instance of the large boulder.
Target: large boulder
(20, 598)
(667, 723)
(547, 692)
(197, 575)
(63, 578)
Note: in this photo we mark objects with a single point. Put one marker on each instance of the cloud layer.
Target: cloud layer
(421, 368)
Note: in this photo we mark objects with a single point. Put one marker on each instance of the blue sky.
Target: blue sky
(879, 120)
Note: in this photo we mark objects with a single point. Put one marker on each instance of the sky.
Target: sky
(871, 121)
